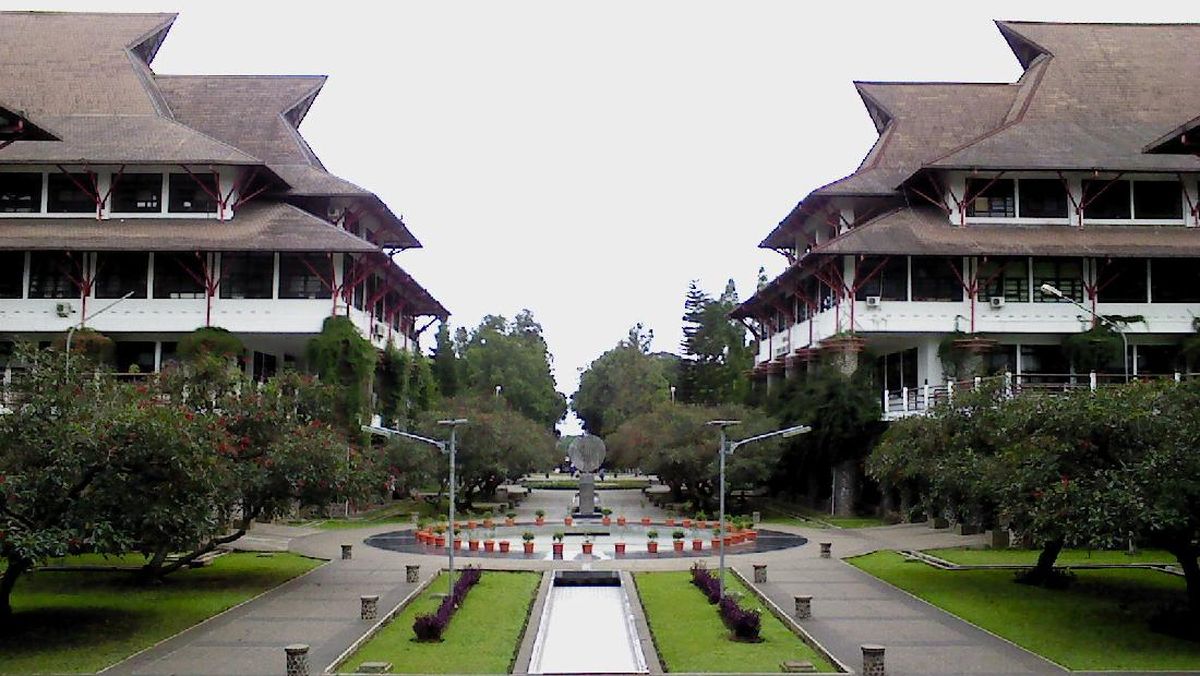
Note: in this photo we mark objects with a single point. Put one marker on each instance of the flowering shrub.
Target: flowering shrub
(429, 627)
(745, 624)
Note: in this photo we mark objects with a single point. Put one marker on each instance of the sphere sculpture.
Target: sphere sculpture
(586, 453)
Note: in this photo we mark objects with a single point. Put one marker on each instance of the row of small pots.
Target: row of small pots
(436, 540)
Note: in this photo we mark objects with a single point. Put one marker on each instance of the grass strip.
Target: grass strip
(70, 622)
(1100, 622)
(481, 639)
(690, 636)
(971, 557)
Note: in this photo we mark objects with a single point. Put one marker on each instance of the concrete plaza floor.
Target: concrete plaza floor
(850, 608)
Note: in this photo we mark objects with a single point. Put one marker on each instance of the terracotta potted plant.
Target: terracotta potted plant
(510, 519)
(607, 518)
(528, 538)
(472, 543)
(472, 524)
(558, 544)
(670, 521)
(677, 540)
(504, 545)
(701, 520)
(587, 545)
(716, 539)
(652, 541)
(541, 517)
(697, 544)
(687, 523)
(567, 520)
(751, 535)
(619, 547)
(439, 540)
(620, 521)
(457, 539)
(488, 523)
(645, 521)
(489, 545)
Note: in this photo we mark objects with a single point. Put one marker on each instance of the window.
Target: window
(12, 273)
(935, 278)
(1064, 274)
(168, 353)
(50, 274)
(137, 193)
(1002, 359)
(1043, 198)
(67, 194)
(119, 273)
(1162, 200)
(131, 353)
(263, 366)
(993, 198)
(1043, 359)
(20, 193)
(1174, 280)
(178, 275)
(247, 275)
(1106, 199)
(298, 276)
(192, 193)
(1006, 278)
(898, 369)
(1121, 280)
(889, 282)
(1158, 359)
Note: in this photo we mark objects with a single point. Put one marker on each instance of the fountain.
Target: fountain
(587, 453)
(587, 627)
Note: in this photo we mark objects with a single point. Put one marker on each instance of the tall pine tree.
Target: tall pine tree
(691, 388)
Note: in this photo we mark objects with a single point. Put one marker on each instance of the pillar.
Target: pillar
(370, 606)
(872, 656)
(803, 606)
(826, 550)
(297, 659)
(346, 552)
(412, 574)
(760, 573)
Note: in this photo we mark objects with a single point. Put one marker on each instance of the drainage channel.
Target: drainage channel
(587, 627)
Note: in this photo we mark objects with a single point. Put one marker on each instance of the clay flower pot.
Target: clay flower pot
(472, 524)
(439, 540)
(504, 545)
(687, 523)
(509, 521)
(751, 535)
(567, 521)
(489, 545)
(738, 538)
(541, 521)
(487, 523)
(620, 521)
(607, 521)
(558, 549)
(716, 544)
(652, 547)
(645, 521)
(701, 524)
(671, 522)
(458, 543)
(697, 545)
(620, 548)
(528, 547)
(587, 548)
(678, 545)
(473, 545)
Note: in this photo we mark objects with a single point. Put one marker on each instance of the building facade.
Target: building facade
(930, 263)
(144, 205)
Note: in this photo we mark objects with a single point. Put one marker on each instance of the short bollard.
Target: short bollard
(760, 573)
(873, 660)
(370, 606)
(346, 555)
(756, 518)
(297, 659)
(803, 606)
(412, 574)
(826, 550)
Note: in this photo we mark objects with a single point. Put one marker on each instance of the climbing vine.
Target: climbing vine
(404, 385)
(209, 340)
(89, 343)
(345, 360)
(1093, 350)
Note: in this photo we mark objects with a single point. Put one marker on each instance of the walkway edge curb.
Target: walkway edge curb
(792, 624)
(379, 624)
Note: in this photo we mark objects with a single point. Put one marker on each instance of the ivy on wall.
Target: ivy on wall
(344, 359)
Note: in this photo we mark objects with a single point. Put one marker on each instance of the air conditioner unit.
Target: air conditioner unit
(996, 302)
(63, 309)
(874, 301)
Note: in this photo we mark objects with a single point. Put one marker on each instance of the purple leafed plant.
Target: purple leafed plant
(429, 627)
(745, 624)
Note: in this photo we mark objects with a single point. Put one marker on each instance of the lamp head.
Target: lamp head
(795, 431)
(723, 423)
(453, 423)
(1051, 291)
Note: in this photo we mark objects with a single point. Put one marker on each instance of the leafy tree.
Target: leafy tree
(404, 386)
(346, 360)
(447, 368)
(620, 384)
(716, 353)
(514, 356)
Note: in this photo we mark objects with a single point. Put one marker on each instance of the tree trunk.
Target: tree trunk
(7, 582)
(845, 475)
(152, 570)
(906, 502)
(1044, 569)
(887, 498)
(1185, 552)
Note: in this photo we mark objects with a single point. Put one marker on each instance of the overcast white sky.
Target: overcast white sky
(587, 159)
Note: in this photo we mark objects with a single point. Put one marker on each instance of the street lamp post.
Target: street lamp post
(445, 447)
(1051, 290)
(727, 448)
(83, 321)
(672, 394)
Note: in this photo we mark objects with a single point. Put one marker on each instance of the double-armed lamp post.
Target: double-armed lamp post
(1051, 290)
(445, 447)
(727, 448)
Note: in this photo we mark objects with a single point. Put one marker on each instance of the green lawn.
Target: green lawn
(965, 556)
(1099, 622)
(83, 622)
(398, 512)
(482, 638)
(690, 636)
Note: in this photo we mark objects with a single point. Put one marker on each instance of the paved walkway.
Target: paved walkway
(850, 608)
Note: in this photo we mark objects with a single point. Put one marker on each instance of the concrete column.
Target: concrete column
(760, 573)
(297, 659)
(826, 550)
(412, 574)
(347, 552)
(803, 606)
(370, 606)
(873, 660)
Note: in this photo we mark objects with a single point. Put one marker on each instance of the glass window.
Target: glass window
(1158, 359)
(1045, 360)
(1043, 198)
(1106, 199)
(1157, 199)
(247, 275)
(1006, 278)
(168, 353)
(935, 278)
(137, 193)
(1064, 274)
(1002, 359)
(66, 196)
(119, 273)
(299, 278)
(131, 353)
(991, 198)
(889, 282)
(1174, 280)
(192, 194)
(263, 366)
(20, 193)
(50, 274)
(1121, 280)
(178, 275)
(12, 273)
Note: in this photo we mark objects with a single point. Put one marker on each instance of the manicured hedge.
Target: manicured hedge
(745, 624)
(430, 627)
